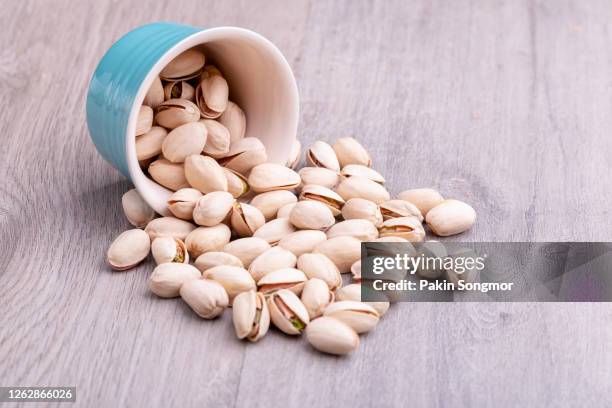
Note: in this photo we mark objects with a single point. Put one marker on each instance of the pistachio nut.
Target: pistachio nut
(431, 250)
(330, 198)
(351, 170)
(356, 271)
(363, 230)
(169, 226)
(294, 155)
(285, 278)
(145, 120)
(360, 208)
(331, 336)
(271, 176)
(128, 249)
(247, 249)
(206, 239)
(179, 90)
(359, 316)
(183, 141)
(285, 210)
(215, 258)
(287, 312)
(234, 279)
(237, 184)
(168, 174)
(353, 292)
(176, 112)
(399, 208)
(319, 266)
(218, 141)
(246, 219)
(187, 65)
(321, 154)
(424, 198)
(250, 315)
(182, 203)
(273, 231)
(319, 176)
(155, 94)
(244, 154)
(167, 278)
(272, 259)
(270, 202)
(350, 151)
(450, 217)
(311, 215)
(205, 174)
(301, 242)
(169, 249)
(213, 208)
(316, 296)
(212, 93)
(234, 120)
(343, 251)
(361, 187)
(136, 210)
(149, 145)
(409, 228)
(207, 298)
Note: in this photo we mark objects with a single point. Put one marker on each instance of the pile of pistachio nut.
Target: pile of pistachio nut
(267, 240)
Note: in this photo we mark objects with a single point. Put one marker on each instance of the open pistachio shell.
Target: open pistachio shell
(285, 278)
(353, 292)
(205, 174)
(287, 312)
(186, 65)
(409, 228)
(331, 336)
(207, 298)
(237, 184)
(136, 210)
(145, 120)
(150, 144)
(271, 176)
(213, 208)
(179, 90)
(169, 249)
(274, 230)
(321, 154)
(270, 202)
(351, 170)
(215, 258)
(244, 154)
(316, 296)
(324, 195)
(363, 230)
(272, 259)
(358, 316)
(176, 112)
(301, 242)
(212, 93)
(169, 226)
(168, 174)
(247, 249)
(167, 278)
(206, 239)
(246, 219)
(251, 316)
(182, 203)
(234, 120)
(128, 249)
(319, 266)
(399, 208)
(234, 279)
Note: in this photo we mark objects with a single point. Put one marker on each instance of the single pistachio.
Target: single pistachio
(343, 251)
(431, 250)
(311, 215)
(353, 292)
(167, 278)
(287, 312)
(285, 278)
(246, 219)
(301, 242)
(150, 144)
(321, 154)
(213, 208)
(234, 120)
(331, 336)
(128, 249)
(250, 315)
(247, 249)
(169, 249)
(169, 226)
(360, 208)
(205, 174)
(182, 203)
(183, 141)
(136, 210)
(270, 202)
(356, 271)
(351, 170)
(155, 94)
(234, 279)
(330, 198)
(350, 151)
(409, 228)
(424, 198)
(294, 155)
(271, 176)
(169, 175)
(212, 93)
(176, 112)
(244, 154)
(272, 259)
(316, 296)
(320, 266)
(363, 230)
(187, 65)
(237, 184)
(319, 176)
(218, 141)
(215, 258)
(179, 90)
(357, 315)
(361, 187)
(273, 231)
(450, 217)
(285, 210)
(206, 239)
(399, 208)
(207, 298)
(145, 120)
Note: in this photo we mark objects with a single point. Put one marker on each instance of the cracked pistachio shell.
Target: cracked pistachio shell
(287, 312)
(186, 65)
(206, 239)
(331, 336)
(271, 260)
(247, 249)
(450, 217)
(270, 202)
(169, 249)
(169, 226)
(136, 210)
(155, 94)
(361, 187)
(167, 278)
(205, 174)
(320, 266)
(424, 198)
(218, 140)
(179, 90)
(207, 298)
(311, 215)
(285, 210)
(330, 198)
(168, 174)
(316, 296)
(363, 230)
(184, 141)
(145, 120)
(234, 120)
(409, 228)
(359, 316)
(285, 278)
(246, 219)
(237, 184)
(301, 242)
(273, 231)
(244, 154)
(215, 258)
(294, 155)
(128, 249)
(149, 145)
(360, 208)
(321, 154)
(350, 151)
(182, 203)
(353, 292)
(250, 315)
(343, 251)
(212, 93)
(234, 279)
(319, 176)
(176, 112)
(351, 170)
(356, 271)
(213, 208)
(271, 176)
(399, 208)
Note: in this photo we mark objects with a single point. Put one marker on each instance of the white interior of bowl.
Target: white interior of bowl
(260, 82)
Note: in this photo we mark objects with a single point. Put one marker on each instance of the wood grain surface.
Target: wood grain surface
(504, 104)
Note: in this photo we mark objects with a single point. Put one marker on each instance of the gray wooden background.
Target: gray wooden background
(504, 104)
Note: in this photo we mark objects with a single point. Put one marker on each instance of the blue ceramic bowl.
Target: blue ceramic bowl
(259, 78)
